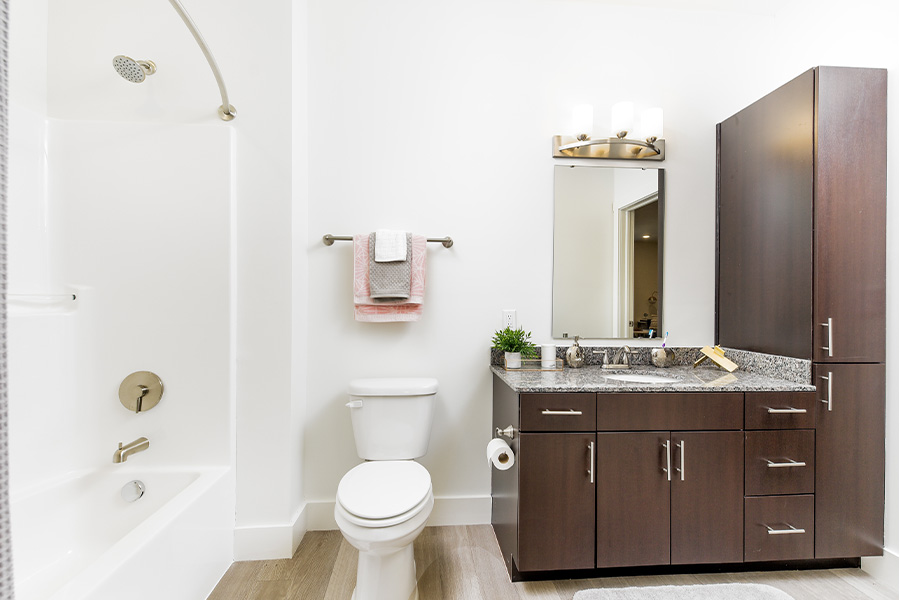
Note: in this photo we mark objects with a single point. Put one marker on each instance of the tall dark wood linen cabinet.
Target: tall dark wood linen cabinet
(800, 272)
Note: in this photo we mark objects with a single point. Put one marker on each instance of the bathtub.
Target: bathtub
(77, 539)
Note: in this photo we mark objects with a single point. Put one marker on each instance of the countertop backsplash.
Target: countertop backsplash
(795, 370)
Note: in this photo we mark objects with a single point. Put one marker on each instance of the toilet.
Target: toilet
(382, 504)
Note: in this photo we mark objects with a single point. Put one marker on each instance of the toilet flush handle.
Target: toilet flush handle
(354, 404)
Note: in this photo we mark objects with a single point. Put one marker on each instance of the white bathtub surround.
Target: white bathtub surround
(77, 539)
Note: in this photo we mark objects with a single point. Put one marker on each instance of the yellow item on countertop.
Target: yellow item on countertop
(717, 355)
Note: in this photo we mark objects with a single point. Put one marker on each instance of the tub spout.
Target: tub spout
(123, 452)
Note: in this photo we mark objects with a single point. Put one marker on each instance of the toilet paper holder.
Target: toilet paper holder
(509, 432)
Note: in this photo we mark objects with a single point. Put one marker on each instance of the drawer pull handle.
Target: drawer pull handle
(571, 412)
(830, 346)
(680, 470)
(668, 467)
(789, 463)
(773, 531)
(786, 411)
(591, 471)
(829, 378)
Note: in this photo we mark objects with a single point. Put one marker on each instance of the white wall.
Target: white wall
(438, 118)
(300, 340)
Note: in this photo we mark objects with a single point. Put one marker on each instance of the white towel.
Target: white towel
(390, 245)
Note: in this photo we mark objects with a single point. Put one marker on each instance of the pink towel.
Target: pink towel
(384, 311)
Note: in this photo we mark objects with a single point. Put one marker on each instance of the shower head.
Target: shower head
(135, 71)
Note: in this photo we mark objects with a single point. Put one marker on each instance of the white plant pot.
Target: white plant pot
(513, 360)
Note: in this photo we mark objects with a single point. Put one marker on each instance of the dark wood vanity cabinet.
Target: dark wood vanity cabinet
(801, 204)
(849, 460)
(779, 475)
(544, 507)
(619, 480)
(556, 501)
(800, 272)
(669, 498)
(673, 496)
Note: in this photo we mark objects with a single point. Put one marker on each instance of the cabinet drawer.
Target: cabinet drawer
(779, 462)
(669, 411)
(780, 410)
(558, 412)
(778, 527)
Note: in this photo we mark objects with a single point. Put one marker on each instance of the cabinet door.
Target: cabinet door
(556, 501)
(633, 498)
(849, 460)
(764, 223)
(850, 180)
(708, 497)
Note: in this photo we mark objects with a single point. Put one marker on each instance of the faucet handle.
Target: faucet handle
(604, 353)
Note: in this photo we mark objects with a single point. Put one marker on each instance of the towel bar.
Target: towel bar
(329, 239)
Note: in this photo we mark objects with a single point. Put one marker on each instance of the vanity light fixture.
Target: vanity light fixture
(649, 146)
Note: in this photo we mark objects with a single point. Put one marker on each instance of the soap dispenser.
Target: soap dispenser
(575, 355)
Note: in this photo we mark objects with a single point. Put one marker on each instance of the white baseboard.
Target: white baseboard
(450, 510)
(885, 569)
(268, 542)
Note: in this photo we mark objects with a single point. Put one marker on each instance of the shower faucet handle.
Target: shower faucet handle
(140, 399)
(140, 391)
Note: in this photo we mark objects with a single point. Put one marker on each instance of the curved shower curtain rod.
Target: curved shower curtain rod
(227, 112)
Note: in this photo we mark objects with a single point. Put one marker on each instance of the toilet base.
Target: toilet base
(386, 576)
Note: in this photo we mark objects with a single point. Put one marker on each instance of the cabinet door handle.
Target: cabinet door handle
(571, 412)
(591, 469)
(830, 346)
(830, 379)
(773, 531)
(786, 411)
(789, 463)
(680, 470)
(668, 467)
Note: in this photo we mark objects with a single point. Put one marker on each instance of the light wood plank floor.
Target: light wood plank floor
(464, 563)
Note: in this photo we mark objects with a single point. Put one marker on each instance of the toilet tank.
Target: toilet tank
(392, 417)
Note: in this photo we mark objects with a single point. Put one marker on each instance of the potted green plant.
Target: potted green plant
(515, 344)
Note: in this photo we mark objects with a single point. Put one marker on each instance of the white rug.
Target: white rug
(718, 591)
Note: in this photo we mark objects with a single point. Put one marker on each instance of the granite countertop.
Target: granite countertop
(591, 379)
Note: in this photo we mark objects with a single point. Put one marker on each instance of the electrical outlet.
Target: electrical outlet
(509, 318)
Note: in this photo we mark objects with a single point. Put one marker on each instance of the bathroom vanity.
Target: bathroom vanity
(711, 469)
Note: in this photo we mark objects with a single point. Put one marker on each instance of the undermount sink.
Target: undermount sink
(640, 378)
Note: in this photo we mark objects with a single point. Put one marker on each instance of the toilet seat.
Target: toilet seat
(384, 493)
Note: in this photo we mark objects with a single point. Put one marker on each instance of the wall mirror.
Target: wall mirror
(607, 251)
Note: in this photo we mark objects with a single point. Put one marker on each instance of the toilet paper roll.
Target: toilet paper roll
(500, 454)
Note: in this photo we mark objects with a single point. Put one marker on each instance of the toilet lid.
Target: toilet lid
(384, 488)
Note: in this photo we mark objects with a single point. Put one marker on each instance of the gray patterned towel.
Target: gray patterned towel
(389, 280)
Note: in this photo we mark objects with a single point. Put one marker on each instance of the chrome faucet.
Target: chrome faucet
(624, 352)
(138, 445)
